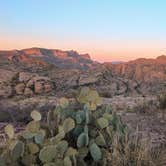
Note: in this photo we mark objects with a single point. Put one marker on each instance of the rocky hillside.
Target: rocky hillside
(39, 71)
(141, 69)
(149, 74)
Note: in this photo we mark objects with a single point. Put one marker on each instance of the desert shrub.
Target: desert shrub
(71, 137)
(162, 101)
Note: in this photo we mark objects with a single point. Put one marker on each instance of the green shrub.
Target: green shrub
(72, 136)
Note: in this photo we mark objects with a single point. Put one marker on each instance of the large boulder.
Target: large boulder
(42, 85)
(19, 88)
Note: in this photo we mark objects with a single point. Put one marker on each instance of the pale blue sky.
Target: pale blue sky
(120, 29)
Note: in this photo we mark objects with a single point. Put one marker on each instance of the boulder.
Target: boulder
(19, 88)
(89, 78)
(30, 84)
(42, 85)
(39, 87)
(25, 76)
(28, 92)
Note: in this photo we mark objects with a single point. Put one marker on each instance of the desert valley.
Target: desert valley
(36, 78)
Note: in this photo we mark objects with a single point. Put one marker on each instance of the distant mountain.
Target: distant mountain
(141, 69)
(42, 56)
(117, 62)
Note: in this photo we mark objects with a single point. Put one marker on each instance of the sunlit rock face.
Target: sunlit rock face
(41, 56)
(142, 70)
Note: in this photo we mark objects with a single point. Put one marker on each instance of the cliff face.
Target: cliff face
(142, 70)
(41, 56)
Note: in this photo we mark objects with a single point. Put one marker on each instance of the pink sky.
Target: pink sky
(99, 50)
(107, 30)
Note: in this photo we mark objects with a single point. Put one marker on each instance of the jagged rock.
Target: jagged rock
(42, 85)
(25, 76)
(30, 84)
(28, 92)
(19, 88)
(39, 87)
(5, 90)
(89, 78)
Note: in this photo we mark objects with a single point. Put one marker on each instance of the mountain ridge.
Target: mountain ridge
(69, 54)
(42, 56)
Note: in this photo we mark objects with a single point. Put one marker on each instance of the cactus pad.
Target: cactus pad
(68, 125)
(17, 150)
(67, 161)
(102, 122)
(63, 102)
(33, 127)
(9, 130)
(36, 116)
(82, 140)
(33, 148)
(48, 153)
(95, 152)
(100, 140)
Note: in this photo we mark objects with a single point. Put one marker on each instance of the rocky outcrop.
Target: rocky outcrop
(6, 78)
(148, 75)
(24, 83)
(90, 78)
(30, 84)
(142, 70)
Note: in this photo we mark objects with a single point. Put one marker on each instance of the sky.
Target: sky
(108, 30)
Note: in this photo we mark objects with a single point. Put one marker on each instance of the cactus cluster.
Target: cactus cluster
(71, 136)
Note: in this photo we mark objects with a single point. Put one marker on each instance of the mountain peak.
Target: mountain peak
(162, 57)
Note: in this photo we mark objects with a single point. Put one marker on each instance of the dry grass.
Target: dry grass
(162, 101)
(132, 151)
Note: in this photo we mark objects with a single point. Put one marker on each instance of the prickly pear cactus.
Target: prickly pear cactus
(70, 137)
(90, 98)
